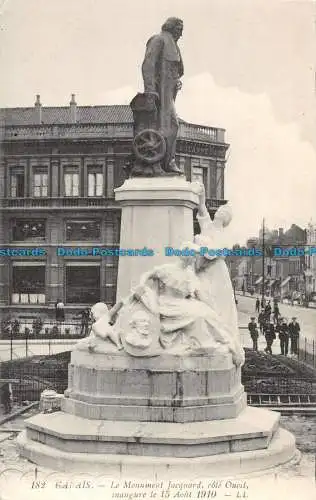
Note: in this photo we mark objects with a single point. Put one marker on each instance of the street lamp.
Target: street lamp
(263, 263)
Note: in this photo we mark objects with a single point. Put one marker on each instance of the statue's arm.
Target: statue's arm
(153, 52)
(113, 312)
(203, 217)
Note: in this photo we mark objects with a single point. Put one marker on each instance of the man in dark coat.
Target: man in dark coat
(84, 327)
(294, 332)
(253, 329)
(276, 313)
(270, 336)
(268, 310)
(261, 320)
(257, 305)
(6, 397)
(283, 330)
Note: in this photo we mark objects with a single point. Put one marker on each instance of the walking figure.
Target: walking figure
(276, 313)
(84, 326)
(268, 310)
(257, 305)
(253, 329)
(261, 320)
(270, 336)
(284, 337)
(6, 397)
(294, 332)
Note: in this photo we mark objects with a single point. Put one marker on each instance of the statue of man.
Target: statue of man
(162, 69)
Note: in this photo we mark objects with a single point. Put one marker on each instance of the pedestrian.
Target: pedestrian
(270, 336)
(267, 311)
(85, 318)
(263, 303)
(59, 310)
(257, 305)
(283, 330)
(261, 320)
(253, 329)
(6, 397)
(294, 332)
(276, 313)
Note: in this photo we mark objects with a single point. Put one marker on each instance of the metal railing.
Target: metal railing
(58, 202)
(28, 382)
(18, 329)
(306, 351)
(272, 384)
(102, 130)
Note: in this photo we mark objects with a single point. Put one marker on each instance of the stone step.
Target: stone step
(252, 429)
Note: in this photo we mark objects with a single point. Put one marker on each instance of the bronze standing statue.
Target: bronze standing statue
(155, 120)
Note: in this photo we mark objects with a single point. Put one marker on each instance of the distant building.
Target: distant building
(283, 276)
(58, 170)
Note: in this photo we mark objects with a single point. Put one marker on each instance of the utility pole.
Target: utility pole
(263, 262)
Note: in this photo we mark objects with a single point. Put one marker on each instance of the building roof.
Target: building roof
(118, 113)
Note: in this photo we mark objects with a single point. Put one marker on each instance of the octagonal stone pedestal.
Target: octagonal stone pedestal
(163, 417)
(167, 388)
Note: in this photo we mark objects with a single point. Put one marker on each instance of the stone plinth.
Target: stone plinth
(156, 213)
(251, 442)
(167, 388)
(50, 401)
(165, 417)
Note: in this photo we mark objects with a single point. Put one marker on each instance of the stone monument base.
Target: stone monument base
(163, 417)
(250, 443)
(166, 388)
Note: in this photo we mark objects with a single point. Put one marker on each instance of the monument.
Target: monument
(155, 390)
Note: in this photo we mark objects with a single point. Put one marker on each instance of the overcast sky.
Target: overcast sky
(249, 68)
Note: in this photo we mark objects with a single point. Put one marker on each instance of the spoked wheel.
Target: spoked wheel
(149, 146)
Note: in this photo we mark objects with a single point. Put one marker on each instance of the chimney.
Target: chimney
(73, 109)
(38, 108)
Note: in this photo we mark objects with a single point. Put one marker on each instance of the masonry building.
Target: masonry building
(58, 171)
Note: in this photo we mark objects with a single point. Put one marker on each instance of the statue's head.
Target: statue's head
(173, 25)
(141, 323)
(98, 310)
(223, 215)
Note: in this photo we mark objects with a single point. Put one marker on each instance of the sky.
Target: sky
(249, 68)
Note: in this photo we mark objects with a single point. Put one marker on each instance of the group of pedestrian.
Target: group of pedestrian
(85, 317)
(85, 321)
(270, 323)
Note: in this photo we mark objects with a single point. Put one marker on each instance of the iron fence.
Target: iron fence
(28, 383)
(278, 385)
(306, 351)
(36, 328)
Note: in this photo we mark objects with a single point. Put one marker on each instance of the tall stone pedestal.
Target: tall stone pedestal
(156, 213)
(156, 418)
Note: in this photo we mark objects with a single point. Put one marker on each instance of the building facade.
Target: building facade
(59, 167)
(284, 276)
